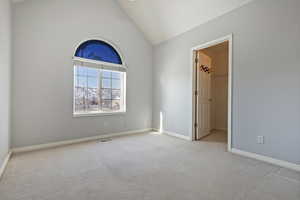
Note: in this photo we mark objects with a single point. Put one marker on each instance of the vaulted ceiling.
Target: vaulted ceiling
(161, 20)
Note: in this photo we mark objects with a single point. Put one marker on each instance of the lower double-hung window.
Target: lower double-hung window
(99, 85)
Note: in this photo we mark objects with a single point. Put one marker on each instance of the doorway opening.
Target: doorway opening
(212, 72)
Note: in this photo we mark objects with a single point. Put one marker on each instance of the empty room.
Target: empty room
(149, 100)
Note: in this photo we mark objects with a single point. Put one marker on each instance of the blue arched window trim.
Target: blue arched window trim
(98, 50)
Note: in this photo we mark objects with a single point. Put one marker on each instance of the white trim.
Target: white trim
(174, 134)
(68, 142)
(213, 42)
(4, 164)
(267, 159)
(228, 38)
(99, 64)
(96, 114)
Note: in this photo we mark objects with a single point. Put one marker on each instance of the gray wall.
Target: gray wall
(266, 77)
(45, 36)
(4, 78)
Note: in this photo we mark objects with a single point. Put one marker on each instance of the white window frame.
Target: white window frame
(100, 65)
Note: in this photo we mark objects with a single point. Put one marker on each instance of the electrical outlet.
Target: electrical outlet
(260, 139)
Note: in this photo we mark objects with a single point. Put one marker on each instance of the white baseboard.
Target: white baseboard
(267, 159)
(174, 135)
(178, 135)
(4, 164)
(68, 142)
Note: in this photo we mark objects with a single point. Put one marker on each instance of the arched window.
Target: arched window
(99, 79)
(98, 50)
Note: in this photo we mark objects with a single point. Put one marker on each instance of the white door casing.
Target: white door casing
(194, 50)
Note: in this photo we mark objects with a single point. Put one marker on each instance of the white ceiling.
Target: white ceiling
(163, 19)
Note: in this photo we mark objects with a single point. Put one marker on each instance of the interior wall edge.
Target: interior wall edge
(4, 164)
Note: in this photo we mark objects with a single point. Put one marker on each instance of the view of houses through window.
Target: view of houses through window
(97, 90)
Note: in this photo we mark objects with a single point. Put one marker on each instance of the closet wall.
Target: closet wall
(219, 85)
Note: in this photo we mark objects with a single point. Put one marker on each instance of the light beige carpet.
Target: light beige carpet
(145, 167)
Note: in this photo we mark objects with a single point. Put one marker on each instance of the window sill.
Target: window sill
(98, 114)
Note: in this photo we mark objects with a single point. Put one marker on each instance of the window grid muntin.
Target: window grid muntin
(111, 78)
(86, 104)
(86, 88)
